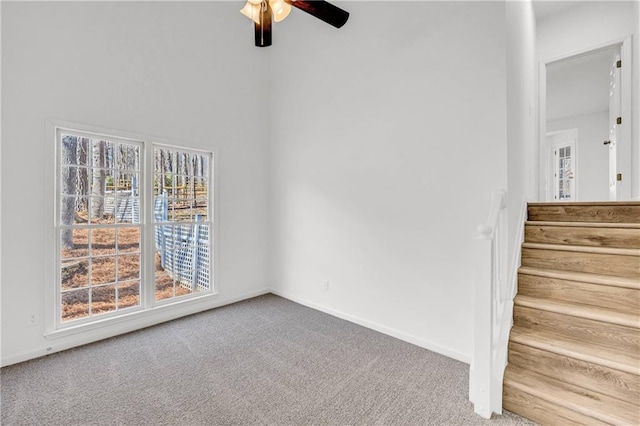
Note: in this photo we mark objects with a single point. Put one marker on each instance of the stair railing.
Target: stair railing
(491, 302)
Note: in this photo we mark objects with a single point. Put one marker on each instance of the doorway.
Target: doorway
(587, 95)
(563, 165)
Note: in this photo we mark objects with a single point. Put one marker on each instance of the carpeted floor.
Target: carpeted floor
(263, 361)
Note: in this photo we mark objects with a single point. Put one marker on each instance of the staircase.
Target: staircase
(574, 349)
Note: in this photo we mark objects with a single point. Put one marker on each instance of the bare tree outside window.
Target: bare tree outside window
(98, 184)
(68, 180)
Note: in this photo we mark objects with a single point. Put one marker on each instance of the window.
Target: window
(133, 229)
(181, 226)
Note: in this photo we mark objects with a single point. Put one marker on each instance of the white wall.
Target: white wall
(588, 25)
(521, 115)
(387, 138)
(635, 147)
(186, 72)
(0, 181)
(592, 172)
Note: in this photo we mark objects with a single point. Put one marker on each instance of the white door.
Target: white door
(615, 107)
(564, 176)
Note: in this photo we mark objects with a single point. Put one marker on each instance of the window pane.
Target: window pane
(127, 209)
(74, 274)
(75, 304)
(103, 241)
(129, 294)
(204, 160)
(68, 149)
(74, 243)
(103, 299)
(101, 180)
(128, 240)
(73, 180)
(172, 209)
(99, 208)
(128, 157)
(182, 210)
(128, 267)
(103, 270)
(161, 208)
(73, 210)
(164, 286)
(202, 199)
(182, 255)
(102, 153)
(202, 259)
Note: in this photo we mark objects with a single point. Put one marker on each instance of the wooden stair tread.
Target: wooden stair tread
(585, 259)
(583, 249)
(581, 311)
(542, 411)
(584, 224)
(610, 212)
(588, 403)
(608, 357)
(590, 236)
(609, 381)
(584, 203)
(611, 297)
(607, 336)
(610, 280)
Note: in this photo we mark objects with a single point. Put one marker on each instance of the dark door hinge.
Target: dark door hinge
(619, 64)
(619, 177)
(619, 120)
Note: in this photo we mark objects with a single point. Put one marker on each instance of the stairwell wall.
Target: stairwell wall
(387, 138)
(522, 149)
(635, 147)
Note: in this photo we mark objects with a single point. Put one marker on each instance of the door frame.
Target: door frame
(624, 163)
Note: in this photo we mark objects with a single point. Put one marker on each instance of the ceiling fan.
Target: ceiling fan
(263, 12)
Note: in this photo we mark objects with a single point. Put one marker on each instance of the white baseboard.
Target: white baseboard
(106, 332)
(378, 327)
(147, 319)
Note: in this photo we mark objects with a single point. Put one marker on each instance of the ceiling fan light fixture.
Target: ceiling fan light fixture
(264, 12)
(280, 8)
(252, 11)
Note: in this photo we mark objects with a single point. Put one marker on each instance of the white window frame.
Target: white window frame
(149, 309)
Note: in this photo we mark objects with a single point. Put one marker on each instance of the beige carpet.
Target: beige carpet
(263, 361)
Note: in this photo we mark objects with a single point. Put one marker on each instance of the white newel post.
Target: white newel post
(483, 324)
(485, 378)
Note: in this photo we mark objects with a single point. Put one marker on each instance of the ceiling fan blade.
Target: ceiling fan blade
(323, 10)
(262, 29)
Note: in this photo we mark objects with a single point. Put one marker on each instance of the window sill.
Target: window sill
(140, 318)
